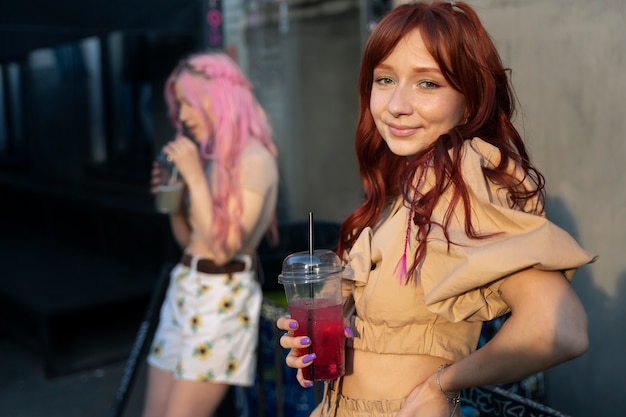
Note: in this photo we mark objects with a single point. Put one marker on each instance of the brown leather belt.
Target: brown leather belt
(207, 266)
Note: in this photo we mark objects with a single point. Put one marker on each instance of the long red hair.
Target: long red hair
(468, 59)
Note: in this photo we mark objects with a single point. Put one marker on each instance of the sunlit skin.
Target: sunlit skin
(412, 105)
(183, 149)
(411, 102)
(222, 139)
(185, 153)
(190, 116)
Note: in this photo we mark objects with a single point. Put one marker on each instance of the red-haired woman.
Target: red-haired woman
(451, 231)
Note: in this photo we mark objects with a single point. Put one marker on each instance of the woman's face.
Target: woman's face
(191, 117)
(411, 102)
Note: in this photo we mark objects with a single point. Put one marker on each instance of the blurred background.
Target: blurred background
(82, 116)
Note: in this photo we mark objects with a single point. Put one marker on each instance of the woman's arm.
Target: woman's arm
(178, 221)
(185, 154)
(547, 326)
(180, 228)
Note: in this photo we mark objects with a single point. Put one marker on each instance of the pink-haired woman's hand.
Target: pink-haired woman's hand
(185, 154)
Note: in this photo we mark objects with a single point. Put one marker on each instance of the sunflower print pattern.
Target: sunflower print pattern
(157, 348)
(209, 327)
(232, 365)
(195, 322)
(244, 318)
(237, 289)
(203, 289)
(203, 350)
(178, 371)
(208, 376)
(225, 305)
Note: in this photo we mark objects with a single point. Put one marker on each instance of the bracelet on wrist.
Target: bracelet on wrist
(453, 399)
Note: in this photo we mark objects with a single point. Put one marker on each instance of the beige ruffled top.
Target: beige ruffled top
(440, 313)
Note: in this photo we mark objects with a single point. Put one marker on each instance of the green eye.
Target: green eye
(428, 84)
(384, 80)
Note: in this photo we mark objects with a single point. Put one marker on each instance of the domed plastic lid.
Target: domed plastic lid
(304, 267)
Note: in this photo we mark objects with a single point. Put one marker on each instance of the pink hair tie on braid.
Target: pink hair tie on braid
(230, 77)
(401, 267)
(210, 73)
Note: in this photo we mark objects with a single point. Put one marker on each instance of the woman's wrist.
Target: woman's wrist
(453, 398)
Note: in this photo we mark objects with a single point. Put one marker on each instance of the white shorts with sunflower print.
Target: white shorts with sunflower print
(209, 326)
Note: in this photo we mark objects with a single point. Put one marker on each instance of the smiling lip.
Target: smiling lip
(401, 131)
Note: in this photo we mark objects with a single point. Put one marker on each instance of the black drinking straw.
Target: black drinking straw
(311, 292)
(311, 240)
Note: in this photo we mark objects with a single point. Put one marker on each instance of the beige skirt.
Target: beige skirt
(334, 404)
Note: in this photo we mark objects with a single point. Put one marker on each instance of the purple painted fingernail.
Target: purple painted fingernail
(349, 332)
(309, 358)
(308, 384)
(305, 341)
(293, 325)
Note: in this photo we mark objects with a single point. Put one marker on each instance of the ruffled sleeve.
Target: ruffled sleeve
(461, 281)
(360, 263)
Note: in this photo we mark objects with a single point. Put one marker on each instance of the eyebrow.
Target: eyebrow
(426, 69)
(417, 70)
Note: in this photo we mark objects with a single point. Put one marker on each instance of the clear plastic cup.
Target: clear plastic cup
(312, 285)
(170, 192)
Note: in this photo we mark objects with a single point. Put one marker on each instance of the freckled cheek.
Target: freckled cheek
(455, 116)
(457, 109)
(440, 113)
(377, 120)
(377, 108)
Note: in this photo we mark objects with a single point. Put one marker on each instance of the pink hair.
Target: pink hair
(238, 117)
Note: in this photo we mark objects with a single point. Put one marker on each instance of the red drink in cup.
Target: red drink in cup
(322, 321)
(312, 284)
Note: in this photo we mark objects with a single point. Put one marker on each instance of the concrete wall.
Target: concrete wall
(306, 78)
(568, 59)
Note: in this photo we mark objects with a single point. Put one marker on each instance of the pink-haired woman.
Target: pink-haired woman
(207, 333)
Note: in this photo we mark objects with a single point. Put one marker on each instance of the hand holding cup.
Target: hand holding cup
(294, 358)
(312, 282)
(167, 184)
